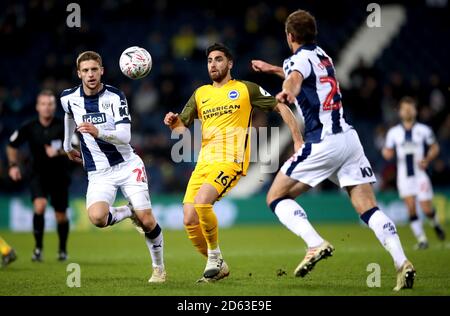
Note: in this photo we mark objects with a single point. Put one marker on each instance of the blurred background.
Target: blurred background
(407, 55)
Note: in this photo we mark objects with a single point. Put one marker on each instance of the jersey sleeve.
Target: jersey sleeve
(390, 141)
(64, 103)
(429, 136)
(120, 109)
(20, 136)
(299, 63)
(260, 98)
(189, 112)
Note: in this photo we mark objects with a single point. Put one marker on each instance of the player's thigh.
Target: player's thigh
(101, 188)
(220, 179)
(362, 197)
(283, 186)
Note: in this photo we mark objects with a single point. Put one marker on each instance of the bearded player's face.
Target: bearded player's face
(218, 65)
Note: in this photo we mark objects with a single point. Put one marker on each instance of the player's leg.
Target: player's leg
(365, 204)
(306, 168)
(39, 197)
(190, 217)
(219, 179)
(425, 197)
(415, 223)
(356, 175)
(101, 194)
(193, 229)
(430, 212)
(39, 206)
(133, 183)
(7, 252)
(59, 198)
(280, 199)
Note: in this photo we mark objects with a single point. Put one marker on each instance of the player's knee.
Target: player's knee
(146, 219)
(190, 215)
(99, 219)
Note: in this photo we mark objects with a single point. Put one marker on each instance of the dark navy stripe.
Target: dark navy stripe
(125, 120)
(89, 163)
(408, 135)
(410, 165)
(309, 102)
(112, 154)
(368, 214)
(336, 121)
(305, 153)
(274, 203)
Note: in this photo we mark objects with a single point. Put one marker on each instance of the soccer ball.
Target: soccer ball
(135, 62)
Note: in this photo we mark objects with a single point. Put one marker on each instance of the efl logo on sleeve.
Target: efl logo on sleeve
(95, 118)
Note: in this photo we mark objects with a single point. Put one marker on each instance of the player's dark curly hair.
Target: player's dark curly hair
(302, 25)
(220, 47)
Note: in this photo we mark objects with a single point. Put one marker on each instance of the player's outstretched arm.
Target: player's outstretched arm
(292, 122)
(173, 121)
(291, 88)
(262, 66)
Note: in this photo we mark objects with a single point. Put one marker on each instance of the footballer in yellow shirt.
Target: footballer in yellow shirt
(224, 109)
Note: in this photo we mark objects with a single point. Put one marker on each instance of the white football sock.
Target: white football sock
(386, 233)
(417, 228)
(118, 214)
(292, 215)
(155, 245)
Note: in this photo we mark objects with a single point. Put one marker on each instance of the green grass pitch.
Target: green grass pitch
(116, 262)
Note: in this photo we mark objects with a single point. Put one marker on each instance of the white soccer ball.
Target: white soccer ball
(135, 62)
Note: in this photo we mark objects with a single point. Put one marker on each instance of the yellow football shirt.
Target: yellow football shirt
(226, 115)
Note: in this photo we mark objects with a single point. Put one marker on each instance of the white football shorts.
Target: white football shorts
(418, 185)
(338, 157)
(129, 176)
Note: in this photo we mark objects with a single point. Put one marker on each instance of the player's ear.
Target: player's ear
(102, 70)
(230, 64)
(79, 74)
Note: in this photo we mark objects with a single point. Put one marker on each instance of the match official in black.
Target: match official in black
(49, 170)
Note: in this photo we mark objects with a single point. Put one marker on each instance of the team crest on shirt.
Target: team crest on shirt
(106, 105)
(233, 95)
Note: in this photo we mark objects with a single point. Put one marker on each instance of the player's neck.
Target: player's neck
(408, 124)
(295, 46)
(88, 91)
(224, 81)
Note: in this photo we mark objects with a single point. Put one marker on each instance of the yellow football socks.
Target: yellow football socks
(4, 247)
(195, 234)
(209, 224)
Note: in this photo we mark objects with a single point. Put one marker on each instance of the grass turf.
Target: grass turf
(261, 260)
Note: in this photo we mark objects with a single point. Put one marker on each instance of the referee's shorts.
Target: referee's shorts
(52, 188)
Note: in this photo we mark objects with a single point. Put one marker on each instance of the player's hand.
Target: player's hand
(285, 97)
(14, 173)
(74, 155)
(50, 151)
(261, 66)
(88, 128)
(170, 118)
(423, 164)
